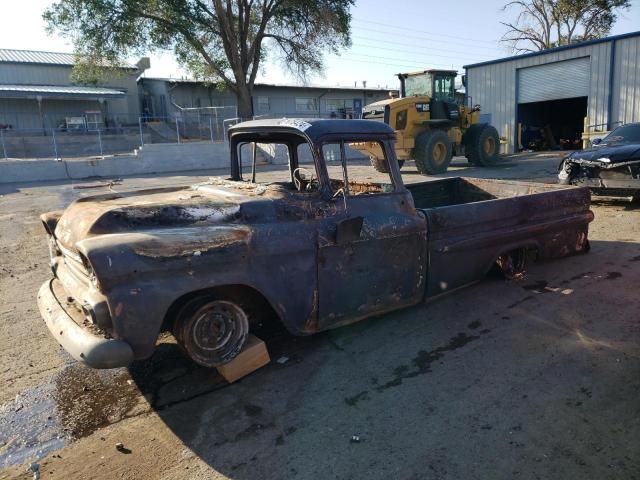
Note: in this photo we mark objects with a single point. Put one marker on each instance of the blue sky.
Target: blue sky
(388, 37)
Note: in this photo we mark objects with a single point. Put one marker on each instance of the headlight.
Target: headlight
(89, 268)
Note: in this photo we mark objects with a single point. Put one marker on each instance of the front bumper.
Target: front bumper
(83, 345)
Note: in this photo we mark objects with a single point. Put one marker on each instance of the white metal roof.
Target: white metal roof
(33, 56)
(273, 85)
(54, 90)
(44, 58)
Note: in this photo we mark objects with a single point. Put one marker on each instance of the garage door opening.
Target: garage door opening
(552, 124)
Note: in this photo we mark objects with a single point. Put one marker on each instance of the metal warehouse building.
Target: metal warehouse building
(561, 95)
(37, 92)
(167, 98)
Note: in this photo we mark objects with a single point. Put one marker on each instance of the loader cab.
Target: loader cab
(437, 84)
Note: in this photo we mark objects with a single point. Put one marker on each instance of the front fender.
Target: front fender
(142, 275)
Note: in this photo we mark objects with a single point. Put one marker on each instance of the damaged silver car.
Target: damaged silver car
(610, 168)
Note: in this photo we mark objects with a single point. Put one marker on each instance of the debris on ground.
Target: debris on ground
(35, 469)
(355, 439)
(109, 184)
(121, 448)
(282, 360)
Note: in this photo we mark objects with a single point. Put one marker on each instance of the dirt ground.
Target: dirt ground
(532, 379)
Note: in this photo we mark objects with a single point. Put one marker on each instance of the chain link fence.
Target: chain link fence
(71, 135)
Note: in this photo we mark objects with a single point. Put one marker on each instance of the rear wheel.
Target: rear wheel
(380, 164)
(432, 152)
(211, 331)
(513, 264)
(482, 145)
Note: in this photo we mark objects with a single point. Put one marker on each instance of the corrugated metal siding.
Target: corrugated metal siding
(625, 107)
(553, 81)
(494, 86)
(35, 74)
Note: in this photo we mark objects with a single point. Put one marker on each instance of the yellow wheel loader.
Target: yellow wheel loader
(430, 126)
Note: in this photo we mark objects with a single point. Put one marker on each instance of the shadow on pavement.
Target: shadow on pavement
(537, 377)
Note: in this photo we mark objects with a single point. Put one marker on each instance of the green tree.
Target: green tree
(222, 42)
(543, 24)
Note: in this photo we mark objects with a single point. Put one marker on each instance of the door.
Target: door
(357, 108)
(371, 253)
(554, 81)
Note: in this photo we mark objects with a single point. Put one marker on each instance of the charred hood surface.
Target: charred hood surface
(167, 208)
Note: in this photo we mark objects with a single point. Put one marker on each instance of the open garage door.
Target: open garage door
(554, 81)
(552, 104)
(552, 124)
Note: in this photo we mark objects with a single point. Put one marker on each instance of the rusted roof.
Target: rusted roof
(315, 128)
(34, 56)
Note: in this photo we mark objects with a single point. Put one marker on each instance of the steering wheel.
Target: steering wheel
(300, 181)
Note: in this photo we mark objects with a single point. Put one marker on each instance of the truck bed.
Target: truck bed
(471, 222)
(457, 191)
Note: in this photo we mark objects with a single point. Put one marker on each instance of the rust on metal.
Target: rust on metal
(317, 259)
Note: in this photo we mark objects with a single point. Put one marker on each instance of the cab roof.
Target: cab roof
(314, 128)
(431, 70)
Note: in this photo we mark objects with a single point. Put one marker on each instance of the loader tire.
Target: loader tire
(381, 165)
(482, 145)
(432, 152)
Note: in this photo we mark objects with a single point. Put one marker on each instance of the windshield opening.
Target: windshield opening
(417, 85)
(624, 134)
(262, 163)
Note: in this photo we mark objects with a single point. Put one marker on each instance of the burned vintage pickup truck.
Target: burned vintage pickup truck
(313, 244)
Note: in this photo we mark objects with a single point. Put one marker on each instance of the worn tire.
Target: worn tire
(380, 165)
(482, 145)
(432, 152)
(211, 331)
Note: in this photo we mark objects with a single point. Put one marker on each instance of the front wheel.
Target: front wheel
(482, 145)
(212, 332)
(432, 152)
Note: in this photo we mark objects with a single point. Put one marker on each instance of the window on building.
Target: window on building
(336, 105)
(306, 104)
(263, 105)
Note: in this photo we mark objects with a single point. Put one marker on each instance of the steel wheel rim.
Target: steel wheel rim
(489, 146)
(439, 152)
(216, 324)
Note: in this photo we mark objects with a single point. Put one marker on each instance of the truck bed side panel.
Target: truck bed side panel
(466, 239)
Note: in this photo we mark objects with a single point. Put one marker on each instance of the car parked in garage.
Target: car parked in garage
(611, 167)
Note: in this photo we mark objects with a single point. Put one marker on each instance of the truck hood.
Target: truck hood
(165, 208)
(613, 153)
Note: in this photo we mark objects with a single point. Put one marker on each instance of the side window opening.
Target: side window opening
(350, 173)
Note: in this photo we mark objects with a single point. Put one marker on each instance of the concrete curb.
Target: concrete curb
(156, 158)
